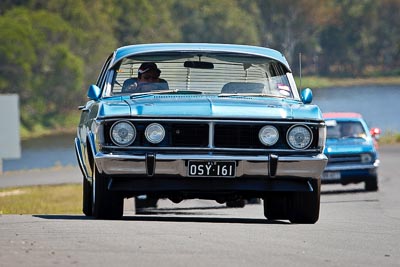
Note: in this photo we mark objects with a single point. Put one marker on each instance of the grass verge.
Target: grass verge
(43, 199)
(315, 82)
(389, 138)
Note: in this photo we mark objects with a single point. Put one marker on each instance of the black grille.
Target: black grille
(344, 158)
(189, 135)
(237, 136)
(196, 134)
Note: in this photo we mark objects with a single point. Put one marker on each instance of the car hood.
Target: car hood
(348, 145)
(213, 106)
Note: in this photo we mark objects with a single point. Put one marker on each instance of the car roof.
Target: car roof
(131, 50)
(341, 115)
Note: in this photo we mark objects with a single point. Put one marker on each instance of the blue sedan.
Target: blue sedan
(209, 121)
(351, 150)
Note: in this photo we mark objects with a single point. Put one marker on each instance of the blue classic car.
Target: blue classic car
(351, 150)
(209, 121)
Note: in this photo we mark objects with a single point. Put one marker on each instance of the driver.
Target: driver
(148, 79)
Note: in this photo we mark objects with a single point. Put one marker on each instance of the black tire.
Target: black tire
(253, 201)
(239, 203)
(371, 185)
(148, 202)
(106, 204)
(304, 206)
(87, 197)
(276, 206)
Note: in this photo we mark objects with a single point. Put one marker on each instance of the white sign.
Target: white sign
(10, 147)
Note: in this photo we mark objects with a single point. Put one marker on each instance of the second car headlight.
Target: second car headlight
(154, 133)
(366, 158)
(299, 137)
(268, 135)
(123, 133)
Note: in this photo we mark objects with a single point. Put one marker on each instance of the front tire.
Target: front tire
(297, 207)
(305, 205)
(371, 185)
(106, 204)
(276, 206)
(238, 203)
(145, 202)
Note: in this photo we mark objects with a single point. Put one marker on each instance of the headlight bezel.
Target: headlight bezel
(274, 140)
(302, 126)
(148, 131)
(120, 122)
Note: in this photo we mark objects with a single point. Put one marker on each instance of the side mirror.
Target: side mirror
(94, 92)
(306, 95)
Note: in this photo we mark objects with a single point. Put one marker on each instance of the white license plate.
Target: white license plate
(330, 176)
(212, 168)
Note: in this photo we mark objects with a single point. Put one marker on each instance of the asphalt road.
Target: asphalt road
(355, 229)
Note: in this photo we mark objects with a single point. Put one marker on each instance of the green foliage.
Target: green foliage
(390, 138)
(211, 21)
(143, 21)
(52, 50)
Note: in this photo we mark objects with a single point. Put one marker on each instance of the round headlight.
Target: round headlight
(365, 158)
(154, 133)
(123, 133)
(268, 135)
(299, 137)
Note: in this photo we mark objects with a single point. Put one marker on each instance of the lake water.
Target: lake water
(380, 106)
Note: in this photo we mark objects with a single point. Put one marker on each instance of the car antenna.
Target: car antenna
(300, 67)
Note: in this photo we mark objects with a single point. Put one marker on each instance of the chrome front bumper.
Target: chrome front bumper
(352, 166)
(176, 165)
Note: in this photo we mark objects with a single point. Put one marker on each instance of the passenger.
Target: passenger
(148, 79)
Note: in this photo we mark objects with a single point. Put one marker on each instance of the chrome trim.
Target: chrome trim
(210, 149)
(346, 167)
(79, 157)
(175, 164)
(211, 126)
(208, 120)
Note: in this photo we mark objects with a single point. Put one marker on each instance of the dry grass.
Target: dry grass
(49, 199)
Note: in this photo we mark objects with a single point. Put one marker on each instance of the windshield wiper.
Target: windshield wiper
(162, 92)
(155, 92)
(248, 94)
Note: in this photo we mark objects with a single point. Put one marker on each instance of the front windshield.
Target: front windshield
(345, 129)
(218, 74)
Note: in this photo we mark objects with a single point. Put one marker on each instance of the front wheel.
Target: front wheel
(106, 204)
(371, 184)
(143, 202)
(238, 203)
(297, 207)
(305, 205)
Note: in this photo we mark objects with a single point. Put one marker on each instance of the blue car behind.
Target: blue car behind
(351, 149)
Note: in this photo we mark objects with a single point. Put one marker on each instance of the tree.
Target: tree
(215, 21)
(347, 44)
(36, 52)
(286, 25)
(142, 21)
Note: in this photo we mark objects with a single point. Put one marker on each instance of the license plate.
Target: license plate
(212, 168)
(330, 176)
